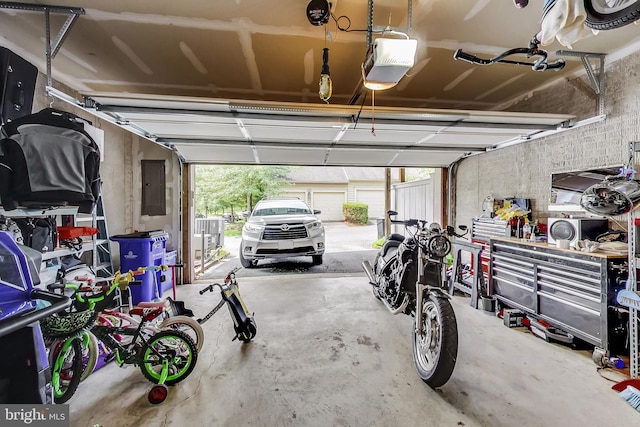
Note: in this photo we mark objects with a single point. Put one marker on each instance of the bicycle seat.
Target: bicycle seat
(149, 304)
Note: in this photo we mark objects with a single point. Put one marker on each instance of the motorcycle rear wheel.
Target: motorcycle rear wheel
(435, 350)
(602, 16)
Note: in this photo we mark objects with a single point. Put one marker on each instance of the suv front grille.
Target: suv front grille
(275, 232)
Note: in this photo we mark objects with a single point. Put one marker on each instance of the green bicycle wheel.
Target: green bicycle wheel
(66, 371)
(90, 352)
(172, 348)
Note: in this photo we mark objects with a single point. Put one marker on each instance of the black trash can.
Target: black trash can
(381, 223)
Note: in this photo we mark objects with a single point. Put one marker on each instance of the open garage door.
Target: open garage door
(218, 131)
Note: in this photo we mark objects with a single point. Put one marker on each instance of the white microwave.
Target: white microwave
(574, 229)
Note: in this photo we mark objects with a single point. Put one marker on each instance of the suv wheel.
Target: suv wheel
(246, 263)
(317, 259)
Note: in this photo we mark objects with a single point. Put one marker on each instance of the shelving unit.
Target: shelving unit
(632, 283)
(98, 245)
(102, 261)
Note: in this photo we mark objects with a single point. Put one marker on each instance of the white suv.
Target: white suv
(280, 228)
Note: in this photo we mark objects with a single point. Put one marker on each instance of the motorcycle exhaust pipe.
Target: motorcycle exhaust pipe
(366, 266)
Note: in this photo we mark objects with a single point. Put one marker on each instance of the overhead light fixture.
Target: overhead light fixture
(387, 61)
(325, 85)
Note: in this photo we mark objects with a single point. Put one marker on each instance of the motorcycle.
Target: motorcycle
(409, 277)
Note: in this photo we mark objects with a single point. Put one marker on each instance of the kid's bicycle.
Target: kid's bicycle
(169, 313)
(165, 357)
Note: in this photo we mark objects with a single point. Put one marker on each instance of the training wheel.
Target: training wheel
(158, 394)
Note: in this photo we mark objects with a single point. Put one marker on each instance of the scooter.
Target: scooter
(243, 322)
(25, 376)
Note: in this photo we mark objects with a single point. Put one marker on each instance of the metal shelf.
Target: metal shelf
(88, 245)
(32, 212)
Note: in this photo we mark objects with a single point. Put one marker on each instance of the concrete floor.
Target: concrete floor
(327, 353)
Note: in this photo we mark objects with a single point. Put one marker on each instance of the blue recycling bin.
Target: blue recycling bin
(143, 249)
(170, 258)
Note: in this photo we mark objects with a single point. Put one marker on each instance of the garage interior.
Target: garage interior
(236, 83)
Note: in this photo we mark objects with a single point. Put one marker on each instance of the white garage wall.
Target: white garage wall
(524, 170)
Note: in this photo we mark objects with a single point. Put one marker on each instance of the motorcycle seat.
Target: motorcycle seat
(396, 237)
(389, 244)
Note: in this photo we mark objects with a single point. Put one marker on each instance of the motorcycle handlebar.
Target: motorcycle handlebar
(406, 222)
(452, 232)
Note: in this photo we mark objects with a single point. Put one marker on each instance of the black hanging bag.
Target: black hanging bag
(39, 233)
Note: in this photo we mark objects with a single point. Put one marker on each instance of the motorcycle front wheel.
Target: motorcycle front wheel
(435, 350)
(374, 287)
(610, 14)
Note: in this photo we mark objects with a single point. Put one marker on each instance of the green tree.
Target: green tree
(415, 174)
(229, 188)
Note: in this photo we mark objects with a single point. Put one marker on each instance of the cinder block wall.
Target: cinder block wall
(525, 170)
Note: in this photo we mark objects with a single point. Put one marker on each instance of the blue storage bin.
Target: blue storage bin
(169, 259)
(143, 249)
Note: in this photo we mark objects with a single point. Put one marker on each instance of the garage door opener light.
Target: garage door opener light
(387, 61)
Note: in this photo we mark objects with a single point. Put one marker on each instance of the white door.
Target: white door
(330, 203)
(374, 199)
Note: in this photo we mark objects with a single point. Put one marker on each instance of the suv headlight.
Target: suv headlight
(316, 225)
(253, 228)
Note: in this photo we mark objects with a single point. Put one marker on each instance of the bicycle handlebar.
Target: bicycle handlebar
(222, 287)
(464, 56)
(162, 267)
(208, 288)
(540, 64)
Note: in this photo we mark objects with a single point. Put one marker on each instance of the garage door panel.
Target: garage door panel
(330, 203)
(216, 153)
(374, 199)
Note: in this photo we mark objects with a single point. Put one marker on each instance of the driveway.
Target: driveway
(347, 245)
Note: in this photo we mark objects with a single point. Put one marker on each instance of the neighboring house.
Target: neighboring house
(327, 188)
